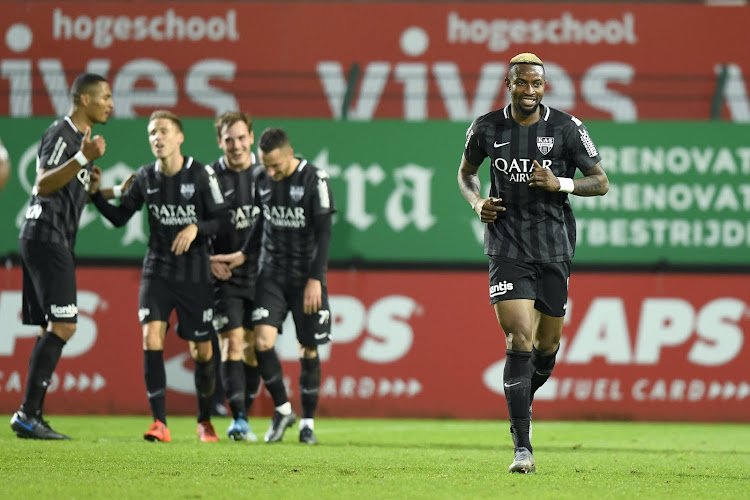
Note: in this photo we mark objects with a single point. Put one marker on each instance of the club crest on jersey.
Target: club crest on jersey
(545, 144)
(297, 192)
(187, 190)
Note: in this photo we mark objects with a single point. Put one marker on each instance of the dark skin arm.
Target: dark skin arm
(468, 182)
(593, 183)
(49, 181)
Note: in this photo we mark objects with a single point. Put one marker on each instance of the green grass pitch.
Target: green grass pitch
(379, 459)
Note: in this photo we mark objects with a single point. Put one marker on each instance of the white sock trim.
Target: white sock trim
(284, 409)
(307, 422)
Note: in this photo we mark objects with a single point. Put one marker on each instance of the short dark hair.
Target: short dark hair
(84, 84)
(230, 118)
(163, 113)
(273, 138)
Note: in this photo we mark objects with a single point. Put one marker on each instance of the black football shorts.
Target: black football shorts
(49, 283)
(273, 301)
(545, 284)
(194, 303)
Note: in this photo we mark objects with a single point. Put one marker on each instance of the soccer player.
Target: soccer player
(185, 207)
(296, 206)
(236, 171)
(47, 240)
(530, 230)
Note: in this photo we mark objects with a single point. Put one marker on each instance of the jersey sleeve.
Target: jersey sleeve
(134, 197)
(54, 150)
(585, 154)
(216, 217)
(473, 150)
(212, 198)
(323, 196)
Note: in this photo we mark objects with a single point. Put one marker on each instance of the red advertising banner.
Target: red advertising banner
(407, 60)
(426, 344)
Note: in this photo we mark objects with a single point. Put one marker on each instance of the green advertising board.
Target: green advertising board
(680, 192)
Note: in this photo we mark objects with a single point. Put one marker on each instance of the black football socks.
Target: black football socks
(309, 384)
(541, 366)
(205, 384)
(517, 386)
(270, 370)
(252, 383)
(42, 364)
(233, 379)
(156, 383)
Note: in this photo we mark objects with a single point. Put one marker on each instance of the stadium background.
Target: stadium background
(380, 95)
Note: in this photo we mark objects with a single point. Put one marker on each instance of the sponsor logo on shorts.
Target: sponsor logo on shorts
(321, 336)
(68, 311)
(201, 334)
(220, 321)
(500, 288)
(143, 312)
(259, 313)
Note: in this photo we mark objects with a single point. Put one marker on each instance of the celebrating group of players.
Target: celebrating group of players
(233, 248)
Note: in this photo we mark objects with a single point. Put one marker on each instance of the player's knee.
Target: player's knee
(232, 345)
(63, 330)
(152, 342)
(201, 351)
(263, 343)
(306, 352)
(517, 340)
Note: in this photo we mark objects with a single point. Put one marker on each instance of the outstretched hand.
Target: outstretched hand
(488, 208)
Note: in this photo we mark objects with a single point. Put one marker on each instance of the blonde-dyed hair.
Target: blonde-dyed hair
(526, 58)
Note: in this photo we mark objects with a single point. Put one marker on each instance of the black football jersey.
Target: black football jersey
(188, 197)
(288, 209)
(238, 189)
(537, 226)
(55, 218)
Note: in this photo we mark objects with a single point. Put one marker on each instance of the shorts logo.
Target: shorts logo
(325, 316)
(143, 313)
(68, 311)
(220, 321)
(201, 334)
(259, 313)
(545, 144)
(297, 192)
(187, 190)
(500, 288)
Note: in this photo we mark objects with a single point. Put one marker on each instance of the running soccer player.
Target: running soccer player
(185, 207)
(530, 230)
